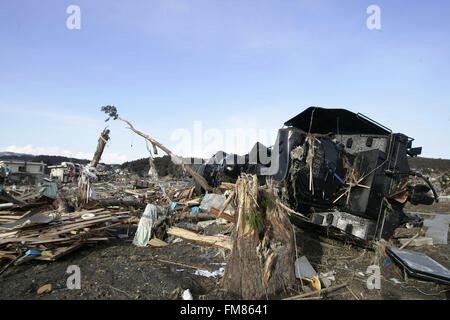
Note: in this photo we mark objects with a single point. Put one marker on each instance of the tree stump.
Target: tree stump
(261, 264)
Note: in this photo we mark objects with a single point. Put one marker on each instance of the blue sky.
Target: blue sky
(234, 65)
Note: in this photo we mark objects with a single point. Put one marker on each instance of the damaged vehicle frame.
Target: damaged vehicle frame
(346, 173)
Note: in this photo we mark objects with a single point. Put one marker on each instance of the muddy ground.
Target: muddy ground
(118, 270)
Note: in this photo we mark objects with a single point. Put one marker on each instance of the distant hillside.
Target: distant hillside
(48, 160)
(439, 165)
(164, 166)
(12, 154)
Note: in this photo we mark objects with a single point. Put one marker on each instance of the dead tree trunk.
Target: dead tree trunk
(82, 185)
(261, 264)
(104, 137)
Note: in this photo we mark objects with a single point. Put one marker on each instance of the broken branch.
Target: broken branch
(175, 159)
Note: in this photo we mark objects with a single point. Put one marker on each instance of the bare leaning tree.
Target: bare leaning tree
(111, 111)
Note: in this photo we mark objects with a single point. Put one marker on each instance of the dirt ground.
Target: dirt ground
(119, 270)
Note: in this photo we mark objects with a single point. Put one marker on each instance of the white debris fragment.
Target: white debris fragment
(208, 274)
(327, 278)
(187, 295)
(219, 263)
(204, 224)
(395, 281)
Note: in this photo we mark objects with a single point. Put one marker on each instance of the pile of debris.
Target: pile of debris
(48, 235)
(44, 223)
(34, 225)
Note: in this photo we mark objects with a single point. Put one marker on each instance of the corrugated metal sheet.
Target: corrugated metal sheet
(49, 189)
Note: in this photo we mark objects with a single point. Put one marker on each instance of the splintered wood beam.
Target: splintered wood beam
(227, 186)
(227, 202)
(408, 233)
(214, 241)
(329, 289)
(223, 215)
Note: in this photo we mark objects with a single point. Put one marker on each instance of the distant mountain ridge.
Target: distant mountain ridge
(164, 166)
(12, 154)
(439, 165)
(48, 160)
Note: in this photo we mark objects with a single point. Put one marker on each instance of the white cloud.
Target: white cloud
(107, 157)
(64, 118)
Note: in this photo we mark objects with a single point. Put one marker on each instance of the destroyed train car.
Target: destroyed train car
(346, 173)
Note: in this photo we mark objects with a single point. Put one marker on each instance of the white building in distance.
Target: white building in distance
(23, 167)
(20, 170)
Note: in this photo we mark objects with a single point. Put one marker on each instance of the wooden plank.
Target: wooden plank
(227, 186)
(418, 242)
(226, 203)
(9, 264)
(132, 192)
(34, 195)
(214, 241)
(407, 233)
(409, 241)
(224, 215)
(25, 258)
(7, 256)
(8, 221)
(50, 235)
(155, 242)
(191, 192)
(10, 217)
(74, 226)
(7, 252)
(329, 289)
(61, 251)
(51, 240)
(193, 202)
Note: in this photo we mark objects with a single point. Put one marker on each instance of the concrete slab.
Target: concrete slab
(438, 228)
